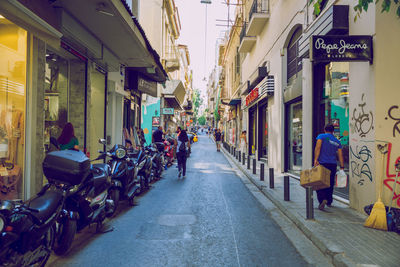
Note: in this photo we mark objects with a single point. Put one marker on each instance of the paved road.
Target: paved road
(207, 219)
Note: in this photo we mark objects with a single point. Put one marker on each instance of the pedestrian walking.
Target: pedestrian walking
(243, 142)
(325, 154)
(218, 137)
(158, 135)
(182, 149)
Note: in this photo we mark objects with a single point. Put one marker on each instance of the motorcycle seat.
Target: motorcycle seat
(46, 204)
(101, 174)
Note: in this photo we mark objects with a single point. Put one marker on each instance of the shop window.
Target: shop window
(13, 55)
(56, 97)
(295, 137)
(294, 64)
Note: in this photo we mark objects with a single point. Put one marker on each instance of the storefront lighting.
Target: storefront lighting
(2, 17)
(101, 8)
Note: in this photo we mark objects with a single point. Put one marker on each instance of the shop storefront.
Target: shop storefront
(292, 97)
(332, 90)
(13, 58)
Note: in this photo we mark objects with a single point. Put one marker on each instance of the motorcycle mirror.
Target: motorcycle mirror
(102, 141)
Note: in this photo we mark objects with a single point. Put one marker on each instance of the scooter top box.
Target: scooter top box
(66, 166)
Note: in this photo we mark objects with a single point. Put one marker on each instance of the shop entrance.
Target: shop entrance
(97, 125)
(263, 131)
(332, 95)
(252, 130)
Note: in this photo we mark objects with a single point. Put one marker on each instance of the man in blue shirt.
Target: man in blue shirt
(325, 154)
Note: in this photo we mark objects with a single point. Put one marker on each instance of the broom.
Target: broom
(377, 217)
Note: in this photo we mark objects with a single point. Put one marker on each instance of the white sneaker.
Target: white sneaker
(184, 176)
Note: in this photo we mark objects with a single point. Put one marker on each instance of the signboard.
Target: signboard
(168, 111)
(341, 48)
(147, 87)
(253, 95)
(188, 124)
(156, 121)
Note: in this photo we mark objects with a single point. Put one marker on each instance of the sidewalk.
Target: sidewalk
(338, 231)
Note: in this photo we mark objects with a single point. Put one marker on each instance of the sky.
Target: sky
(192, 15)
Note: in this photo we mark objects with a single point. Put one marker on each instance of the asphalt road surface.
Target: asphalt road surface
(207, 219)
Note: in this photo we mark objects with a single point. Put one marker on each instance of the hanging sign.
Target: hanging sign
(253, 95)
(341, 48)
(168, 111)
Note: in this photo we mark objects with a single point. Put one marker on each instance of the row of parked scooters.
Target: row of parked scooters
(78, 194)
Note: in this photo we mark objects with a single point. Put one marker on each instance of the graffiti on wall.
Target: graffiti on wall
(389, 179)
(360, 160)
(391, 114)
(363, 121)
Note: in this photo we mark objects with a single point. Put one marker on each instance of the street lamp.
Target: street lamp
(207, 2)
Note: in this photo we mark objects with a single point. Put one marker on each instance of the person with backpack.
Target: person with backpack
(182, 148)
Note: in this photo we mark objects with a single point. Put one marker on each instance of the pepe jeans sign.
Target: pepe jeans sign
(341, 48)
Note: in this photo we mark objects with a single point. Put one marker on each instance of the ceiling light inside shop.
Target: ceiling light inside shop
(101, 8)
(2, 17)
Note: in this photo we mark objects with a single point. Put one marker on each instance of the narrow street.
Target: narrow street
(207, 219)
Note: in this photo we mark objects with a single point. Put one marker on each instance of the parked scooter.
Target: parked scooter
(123, 174)
(144, 164)
(168, 153)
(28, 230)
(87, 199)
(157, 153)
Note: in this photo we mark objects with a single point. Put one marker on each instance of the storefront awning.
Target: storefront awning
(175, 88)
(172, 102)
(114, 24)
(235, 101)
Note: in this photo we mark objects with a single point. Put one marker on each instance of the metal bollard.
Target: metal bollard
(286, 188)
(254, 166)
(236, 155)
(271, 178)
(248, 162)
(240, 157)
(243, 158)
(262, 172)
(309, 203)
(234, 151)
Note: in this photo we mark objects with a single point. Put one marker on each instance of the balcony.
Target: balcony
(246, 42)
(171, 59)
(259, 15)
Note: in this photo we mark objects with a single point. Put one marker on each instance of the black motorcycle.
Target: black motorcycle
(144, 163)
(28, 230)
(123, 175)
(157, 154)
(87, 199)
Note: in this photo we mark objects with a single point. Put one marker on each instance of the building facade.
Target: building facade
(61, 64)
(301, 71)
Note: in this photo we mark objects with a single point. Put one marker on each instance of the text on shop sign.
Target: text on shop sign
(341, 48)
(253, 95)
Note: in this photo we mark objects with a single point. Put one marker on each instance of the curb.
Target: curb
(334, 253)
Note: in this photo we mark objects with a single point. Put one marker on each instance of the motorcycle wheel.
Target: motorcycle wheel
(142, 185)
(65, 236)
(49, 242)
(131, 201)
(114, 195)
